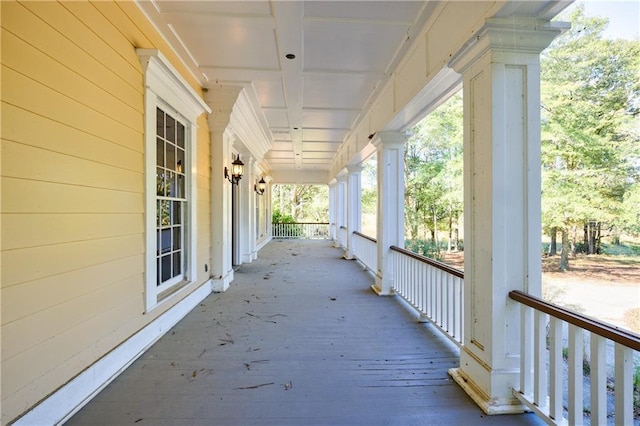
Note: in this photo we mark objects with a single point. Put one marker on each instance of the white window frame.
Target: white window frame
(167, 90)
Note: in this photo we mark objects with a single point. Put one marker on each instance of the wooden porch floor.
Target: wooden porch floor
(298, 339)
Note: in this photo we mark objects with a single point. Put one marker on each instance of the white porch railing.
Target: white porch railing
(433, 288)
(301, 230)
(365, 250)
(543, 326)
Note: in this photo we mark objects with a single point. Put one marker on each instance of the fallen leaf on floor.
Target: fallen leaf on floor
(194, 374)
(333, 298)
(139, 420)
(288, 386)
(173, 364)
(202, 353)
(256, 386)
(294, 254)
(248, 366)
(277, 315)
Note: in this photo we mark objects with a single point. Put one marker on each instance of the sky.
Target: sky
(624, 16)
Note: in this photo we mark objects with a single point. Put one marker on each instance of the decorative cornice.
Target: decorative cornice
(513, 35)
(245, 124)
(387, 139)
(167, 83)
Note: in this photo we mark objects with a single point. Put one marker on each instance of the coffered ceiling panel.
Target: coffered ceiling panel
(270, 93)
(276, 117)
(334, 90)
(329, 118)
(351, 46)
(324, 134)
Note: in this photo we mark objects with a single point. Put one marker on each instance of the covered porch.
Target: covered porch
(300, 338)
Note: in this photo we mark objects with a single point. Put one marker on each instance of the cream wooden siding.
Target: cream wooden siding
(72, 190)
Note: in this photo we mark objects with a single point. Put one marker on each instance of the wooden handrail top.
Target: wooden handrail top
(442, 266)
(618, 335)
(366, 237)
(300, 223)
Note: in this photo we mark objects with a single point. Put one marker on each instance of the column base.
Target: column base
(491, 406)
(383, 286)
(378, 290)
(222, 284)
(349, 256)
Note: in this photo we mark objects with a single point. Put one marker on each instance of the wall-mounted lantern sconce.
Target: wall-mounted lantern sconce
(260, 186)
(237, 168)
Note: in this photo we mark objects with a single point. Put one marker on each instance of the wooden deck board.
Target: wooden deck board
(298, 339)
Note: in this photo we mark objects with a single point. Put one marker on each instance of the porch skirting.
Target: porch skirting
(67, 400)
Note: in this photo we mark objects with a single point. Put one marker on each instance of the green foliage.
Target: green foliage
(433, 172)
(590, 137)
(279, 217)
(426, 248)
(304, 203)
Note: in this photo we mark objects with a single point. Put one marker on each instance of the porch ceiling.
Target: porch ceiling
(308, 105)
(345, 51)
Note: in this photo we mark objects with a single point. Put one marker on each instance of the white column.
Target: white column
(354, 206)
(221, 101)
(268, 207)
(390, 153)
(333, 234)
(247, 211)
(341, 209)
(501, 83)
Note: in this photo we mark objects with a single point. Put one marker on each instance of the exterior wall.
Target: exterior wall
(73, 190)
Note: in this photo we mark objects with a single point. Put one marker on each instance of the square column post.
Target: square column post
(390, 232)
(354, 206)
(341, 211)
(247, 210)
(501, 83)
(221, 101)
(268, 208)
(333, 211)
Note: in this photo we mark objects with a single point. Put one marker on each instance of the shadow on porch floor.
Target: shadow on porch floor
(298, 339)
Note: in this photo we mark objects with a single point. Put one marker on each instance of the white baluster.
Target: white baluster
(576, 348)
(623, 385)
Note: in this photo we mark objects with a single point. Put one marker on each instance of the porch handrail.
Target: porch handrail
(538, 318)
(300, 230)
(365, 250)
(433, 288)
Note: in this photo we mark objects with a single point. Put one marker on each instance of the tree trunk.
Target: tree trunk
(456, 244)
(564, 255)
(553, 246)
(449, 245)
(435, 229)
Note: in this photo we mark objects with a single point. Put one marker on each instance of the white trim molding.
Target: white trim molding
(165, 88)
(70, 398)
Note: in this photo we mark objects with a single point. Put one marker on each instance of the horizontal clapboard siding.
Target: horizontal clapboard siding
(73, 250)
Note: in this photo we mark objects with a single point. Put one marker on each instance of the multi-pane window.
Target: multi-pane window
(171, 199)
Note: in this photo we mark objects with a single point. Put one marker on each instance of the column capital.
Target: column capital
(383, 139)
(508, 35)
(333, 182)
(221, 101)
(357, 168)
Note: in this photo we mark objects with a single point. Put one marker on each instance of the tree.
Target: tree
(304, 203)
(590, 152)
(433, 174)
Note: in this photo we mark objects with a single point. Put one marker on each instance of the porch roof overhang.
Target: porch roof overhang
(359, 67)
